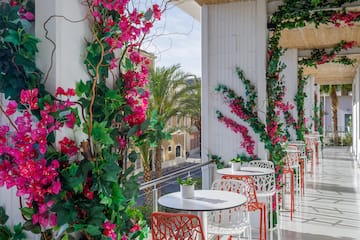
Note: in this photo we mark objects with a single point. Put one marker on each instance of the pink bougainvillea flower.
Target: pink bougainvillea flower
(11, 108)
(109, 230)
(13, 3)
(70, 120)
(136, 57)
(135, 228)
(70, 92)
(28, 16)
(122, 142)
(29, 97)
(156, 11)
(59, 91)
(68, 146)
(113, 64)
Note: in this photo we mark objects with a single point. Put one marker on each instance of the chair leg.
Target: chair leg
(264, 224)
(292, 197)
(261, 222)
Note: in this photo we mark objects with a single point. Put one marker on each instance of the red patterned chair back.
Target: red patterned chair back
(176, 226)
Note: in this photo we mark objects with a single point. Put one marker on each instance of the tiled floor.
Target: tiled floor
(330, 209)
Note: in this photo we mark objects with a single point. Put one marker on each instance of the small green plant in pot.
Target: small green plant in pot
(238, 161)
(187, 187)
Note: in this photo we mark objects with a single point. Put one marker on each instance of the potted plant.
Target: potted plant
(238, 160)
(187, 187)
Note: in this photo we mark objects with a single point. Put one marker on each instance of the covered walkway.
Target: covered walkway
(330, 209)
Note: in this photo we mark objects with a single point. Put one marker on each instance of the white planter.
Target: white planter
(187, 191)
(235, 166)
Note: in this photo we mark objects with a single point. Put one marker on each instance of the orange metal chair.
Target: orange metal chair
(285, 171)
(253, 203)
(176, 226)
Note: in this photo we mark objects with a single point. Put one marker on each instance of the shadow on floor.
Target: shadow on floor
(329, 187)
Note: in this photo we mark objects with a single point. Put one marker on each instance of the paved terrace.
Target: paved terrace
(330, 209)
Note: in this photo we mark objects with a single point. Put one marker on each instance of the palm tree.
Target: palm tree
(331, 89)
(167, 86)
(191, 105)
(151, 137)
(334, 108)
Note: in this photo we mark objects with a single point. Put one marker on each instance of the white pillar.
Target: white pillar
(317, 92)
(356, 115)
(69, 38)
(290, 75)
(309, 103)
(233, 34)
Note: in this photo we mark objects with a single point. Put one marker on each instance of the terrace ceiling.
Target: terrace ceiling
(310, 37)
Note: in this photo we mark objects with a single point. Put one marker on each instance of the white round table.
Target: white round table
(203, 201)
(246, 171)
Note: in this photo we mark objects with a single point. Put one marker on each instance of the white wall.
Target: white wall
(233, 34)
(345, 107)
(290, 58)
(67, 61)
(309, 102)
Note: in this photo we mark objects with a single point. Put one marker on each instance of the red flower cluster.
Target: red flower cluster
(23, 151)
(109, 230)
(347, 18)
(248, 143)
(131, 27)
(236, 106)
(348, 45)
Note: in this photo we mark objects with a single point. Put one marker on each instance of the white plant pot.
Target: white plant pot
(235, 166)
(187, 191)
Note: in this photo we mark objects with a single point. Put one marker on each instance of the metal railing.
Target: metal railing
(173, 175)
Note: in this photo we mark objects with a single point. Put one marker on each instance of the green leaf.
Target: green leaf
(101, 133)
(5, 233)
(133, 156)
(27, 212)
(3, 216)
(12, 37)
(82, 88)
(18, 235)
(93, 230)
(148, 15)
(29, 226)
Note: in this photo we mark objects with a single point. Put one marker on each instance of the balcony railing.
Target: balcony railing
(154, 184)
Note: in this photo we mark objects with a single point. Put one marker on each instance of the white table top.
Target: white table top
(246, 171)
(204, 200)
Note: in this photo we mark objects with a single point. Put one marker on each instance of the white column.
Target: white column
(317, 92)
(290, 75)
(260, 79)
(309, 102)
(356, 115)
(233, 34)
(68, 32)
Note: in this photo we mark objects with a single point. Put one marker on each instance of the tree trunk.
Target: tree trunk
(158, 161)
(158, 165)
(334, 108)
(148, 191)
(197, 124)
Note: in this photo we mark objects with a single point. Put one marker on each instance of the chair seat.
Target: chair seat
(226, 229)
(266, 194)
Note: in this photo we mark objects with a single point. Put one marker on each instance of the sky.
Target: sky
(177, 40)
